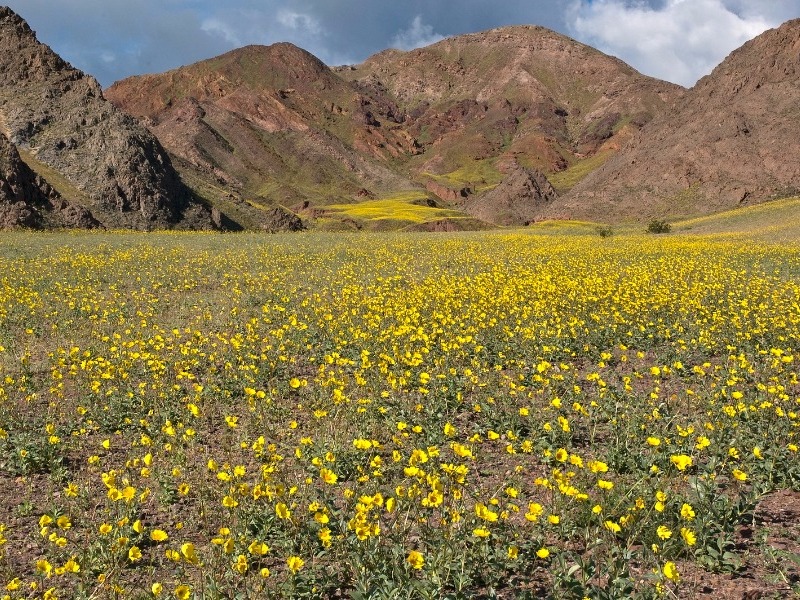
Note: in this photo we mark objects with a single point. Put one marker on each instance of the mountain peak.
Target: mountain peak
(35, 59)
(767, 58)
(279, 53)
(724, 144)
(8, 18)
(59, 117)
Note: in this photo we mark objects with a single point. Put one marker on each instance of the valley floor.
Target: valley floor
(547, 412)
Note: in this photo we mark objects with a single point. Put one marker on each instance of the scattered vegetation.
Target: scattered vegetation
(559, 228)
(604, 231)
(314, 416)
(67, 190)
(481, 175)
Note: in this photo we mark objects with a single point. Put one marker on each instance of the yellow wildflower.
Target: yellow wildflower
(415, 559)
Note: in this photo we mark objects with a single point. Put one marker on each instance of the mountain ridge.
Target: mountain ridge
(508, 126)
(59, 115)
(453, 140)
(724, 144)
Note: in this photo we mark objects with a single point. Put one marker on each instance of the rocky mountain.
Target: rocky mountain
(26, 200)
(102, 158)
(733, 139)
(521, 93)
(272, 125)
(267, 125)
(503, 127)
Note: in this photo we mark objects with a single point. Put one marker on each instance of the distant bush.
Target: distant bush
(604, 232)
(657, 226)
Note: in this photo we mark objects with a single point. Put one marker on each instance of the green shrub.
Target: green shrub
(658, 226)
(604, 232)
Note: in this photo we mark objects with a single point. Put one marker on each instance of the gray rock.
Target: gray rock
(26, 200)
(59, 115)
(519, 199)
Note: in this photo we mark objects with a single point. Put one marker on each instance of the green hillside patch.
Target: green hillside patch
(557, 227)
(565, 180)
(773, 220)
(481, 175)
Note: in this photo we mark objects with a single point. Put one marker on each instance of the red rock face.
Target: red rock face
(731, 140)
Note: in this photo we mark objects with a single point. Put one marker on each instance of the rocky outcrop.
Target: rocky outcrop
(20, 194)
(279, 219)
(448, 194)
(59, 115)
(732, 140)
(26, 200)
(519, 199)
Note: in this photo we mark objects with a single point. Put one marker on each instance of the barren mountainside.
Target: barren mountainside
(274, 124)
(27, 200)
(523, 91)
(271, 124)
(733, 139)
(59, 118)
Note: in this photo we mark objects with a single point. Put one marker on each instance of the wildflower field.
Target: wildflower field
(485, 415)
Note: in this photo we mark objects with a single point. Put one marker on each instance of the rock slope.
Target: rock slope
(732, 140)
(21, 194)
(28, 201)
(511, 125)
(59, 115)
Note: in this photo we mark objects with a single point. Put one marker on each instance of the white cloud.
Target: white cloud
(416, 36)
(221, 29)
(298, 21)
(680, 40)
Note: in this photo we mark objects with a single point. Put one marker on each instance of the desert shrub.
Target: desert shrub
(658, 226)
(604, 231)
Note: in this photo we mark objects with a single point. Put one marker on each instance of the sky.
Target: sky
(675, 40)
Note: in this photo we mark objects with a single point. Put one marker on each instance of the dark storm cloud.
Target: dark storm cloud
(112, 40)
